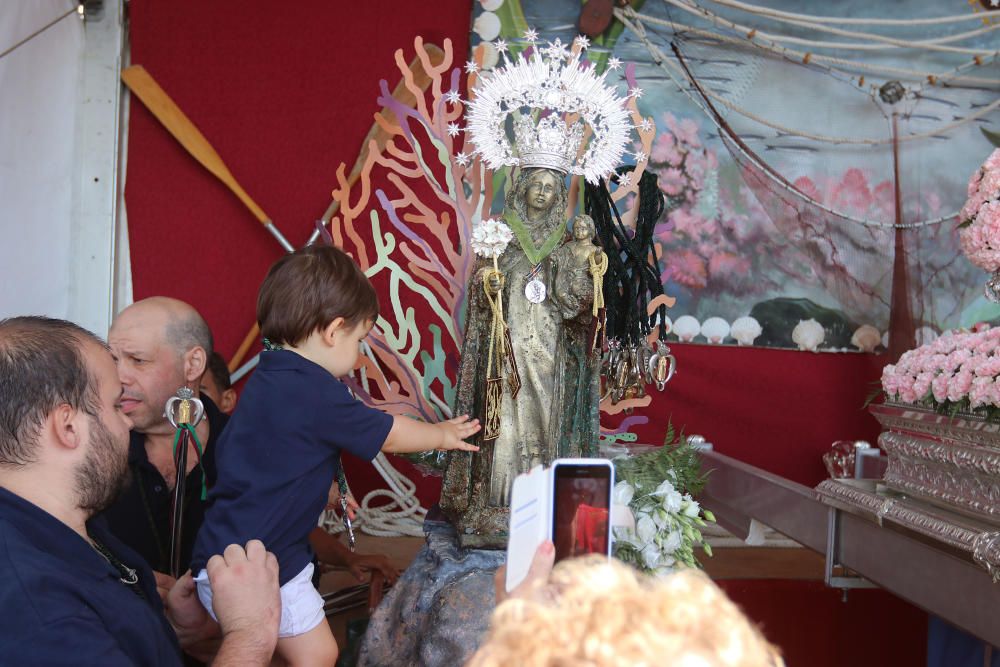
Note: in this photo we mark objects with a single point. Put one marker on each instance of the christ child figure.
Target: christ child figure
(574, 282)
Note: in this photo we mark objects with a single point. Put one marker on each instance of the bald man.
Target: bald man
(160, 345)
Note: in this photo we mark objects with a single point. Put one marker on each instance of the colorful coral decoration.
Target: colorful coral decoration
(979, 230)
(571, 97)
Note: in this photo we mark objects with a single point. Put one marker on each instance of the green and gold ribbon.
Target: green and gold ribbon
(534, 254)
(201, 452)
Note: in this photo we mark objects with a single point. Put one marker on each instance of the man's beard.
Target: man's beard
(104, 473)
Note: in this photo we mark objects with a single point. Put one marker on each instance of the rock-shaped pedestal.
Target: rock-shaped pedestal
(438, 612)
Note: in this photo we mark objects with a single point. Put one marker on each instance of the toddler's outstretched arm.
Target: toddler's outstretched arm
(410, 435)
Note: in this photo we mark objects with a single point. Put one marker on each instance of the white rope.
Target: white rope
(929, 45)
(401, 516)
(775, 13)
(802, 56)
(662, 60)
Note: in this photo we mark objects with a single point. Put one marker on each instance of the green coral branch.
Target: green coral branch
(384, 245)
(434, 367)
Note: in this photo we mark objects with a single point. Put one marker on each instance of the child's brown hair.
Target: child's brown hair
(308, 289)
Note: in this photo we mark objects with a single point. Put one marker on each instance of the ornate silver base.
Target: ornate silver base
(950, 462)
(992, 288)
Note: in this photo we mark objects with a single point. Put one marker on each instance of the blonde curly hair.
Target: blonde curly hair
(596, 613)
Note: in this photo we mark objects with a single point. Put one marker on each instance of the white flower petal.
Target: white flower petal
(645, 528)
(651, 557)
(623, 493)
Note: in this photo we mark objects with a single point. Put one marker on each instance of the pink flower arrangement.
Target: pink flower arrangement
(959, 370)
(979, 233)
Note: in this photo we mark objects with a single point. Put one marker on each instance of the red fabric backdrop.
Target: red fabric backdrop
(285, 92)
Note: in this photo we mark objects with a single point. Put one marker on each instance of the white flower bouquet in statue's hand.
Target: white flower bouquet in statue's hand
(662, 523)
(490, 238)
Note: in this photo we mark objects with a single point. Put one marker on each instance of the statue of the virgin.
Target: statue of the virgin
(555, 411)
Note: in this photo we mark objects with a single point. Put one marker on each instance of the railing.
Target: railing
(926, 573)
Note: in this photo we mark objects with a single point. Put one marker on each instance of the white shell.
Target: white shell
(866, 338)
(491, 5)
(745, 330)
(687, 327)
(808, 335)
(885, 340)
(490, 56)
(715, 330)
(487, 26)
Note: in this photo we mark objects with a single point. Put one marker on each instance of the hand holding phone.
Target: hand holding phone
(569, 504)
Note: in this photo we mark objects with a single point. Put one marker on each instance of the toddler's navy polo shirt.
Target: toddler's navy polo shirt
(62, 603)
(278, 457)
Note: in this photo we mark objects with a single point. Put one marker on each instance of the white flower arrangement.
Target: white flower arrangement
(658, 530)
(490, 237)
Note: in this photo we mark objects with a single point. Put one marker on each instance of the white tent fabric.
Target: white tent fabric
(38, 98)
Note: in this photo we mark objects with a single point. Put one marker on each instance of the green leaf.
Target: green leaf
(669, 437)
(874, 393)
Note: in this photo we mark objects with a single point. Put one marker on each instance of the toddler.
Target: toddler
(279, 454)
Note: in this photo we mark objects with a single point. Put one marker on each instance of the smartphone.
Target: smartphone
(581, 507)
(568, 503)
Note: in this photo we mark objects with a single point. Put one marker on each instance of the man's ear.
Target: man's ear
(227, 401)
(67, 426)
(328, 332)
(195, 362)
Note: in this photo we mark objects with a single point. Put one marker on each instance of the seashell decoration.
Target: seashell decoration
(491, 5)
(687, 327)
(866, 338)
(490, 56)
(745, 330)
(715, 330)
(487, 26)
(808, 335)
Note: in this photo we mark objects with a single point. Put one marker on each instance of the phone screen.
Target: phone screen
(580, 511)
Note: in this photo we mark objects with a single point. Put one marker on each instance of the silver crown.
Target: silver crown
(553, 85)
(551, 144)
